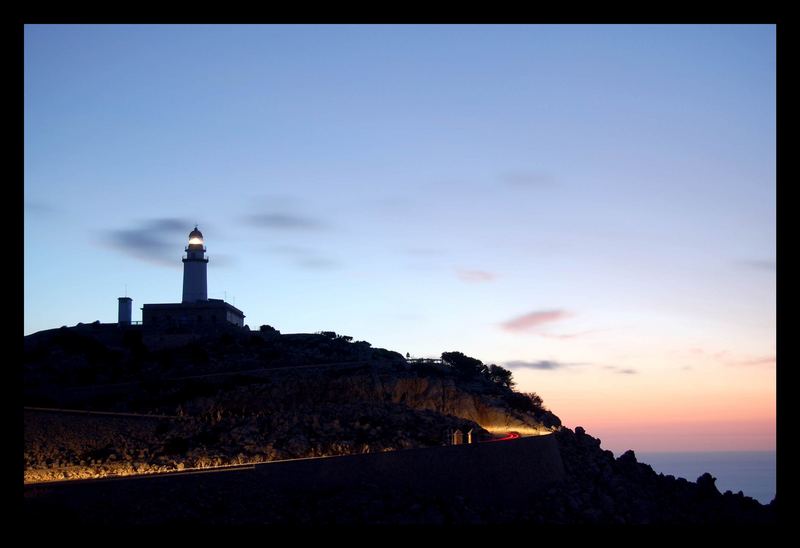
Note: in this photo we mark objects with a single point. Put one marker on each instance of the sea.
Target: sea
(752, 472)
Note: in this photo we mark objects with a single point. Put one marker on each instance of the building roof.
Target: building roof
(199, 305)
(195, 233)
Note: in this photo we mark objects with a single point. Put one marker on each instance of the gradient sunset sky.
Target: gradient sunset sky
(592, 207)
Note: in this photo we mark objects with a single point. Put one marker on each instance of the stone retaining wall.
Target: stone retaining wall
(401, 486)
(504, 471)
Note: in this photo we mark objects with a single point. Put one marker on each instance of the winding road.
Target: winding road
(509, 436)
(210, 469)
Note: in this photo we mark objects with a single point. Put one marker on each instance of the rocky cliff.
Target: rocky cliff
(243, 397)
(240, 397)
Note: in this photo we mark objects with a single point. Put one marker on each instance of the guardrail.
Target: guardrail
(430, 361)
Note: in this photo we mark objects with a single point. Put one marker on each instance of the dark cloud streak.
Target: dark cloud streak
(552, 365)
(547, 365)
(475, 276)
(621, 370)
(40, 208)
(283, 221)
(152, 241)
(305, 257)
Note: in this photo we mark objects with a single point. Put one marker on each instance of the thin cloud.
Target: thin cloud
(553, 365)
(290, 250)
(392, 204)
(720, 355)
(425, 251)
(39, 208)
(533, 320)
(527, 178)
(570, 335)
(621, 370)
(547, 365)
(758, 264)
(169, 225)
(728, 358)
(766, 360)
(475, 276)
(156, 241)
(317, 263)
(222, 260)
(283, 221)
(305, 257)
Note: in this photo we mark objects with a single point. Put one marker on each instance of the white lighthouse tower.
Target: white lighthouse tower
(195, 286)
(196, 311)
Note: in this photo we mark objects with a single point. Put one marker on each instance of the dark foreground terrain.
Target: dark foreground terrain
(595, 488)
(258, 397)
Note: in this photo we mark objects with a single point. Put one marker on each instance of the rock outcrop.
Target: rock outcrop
(242, 397)
(266, 403)
(601, 489)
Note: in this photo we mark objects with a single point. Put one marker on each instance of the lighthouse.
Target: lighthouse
(195, 265)
(196, 312)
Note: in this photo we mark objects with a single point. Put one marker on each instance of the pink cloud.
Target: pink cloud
(766, 360)
(718, 355)
(727, 358)
(534, 319)
(570, 335)
(475, 275)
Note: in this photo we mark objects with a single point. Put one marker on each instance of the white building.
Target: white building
(195, 308)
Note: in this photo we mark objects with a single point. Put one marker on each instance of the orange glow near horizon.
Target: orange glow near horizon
(711, 408)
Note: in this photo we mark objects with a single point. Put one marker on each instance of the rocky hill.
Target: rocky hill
(240, 396)
(168, 401)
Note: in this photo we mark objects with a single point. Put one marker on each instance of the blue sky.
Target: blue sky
(421, 187)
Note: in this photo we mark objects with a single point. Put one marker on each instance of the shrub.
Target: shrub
(501, 376)
(526, 401)
(469, 367)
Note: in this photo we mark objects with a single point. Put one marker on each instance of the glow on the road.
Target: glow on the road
(521, 429)
(510, 436)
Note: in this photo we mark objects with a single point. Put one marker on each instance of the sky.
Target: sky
(592, 207)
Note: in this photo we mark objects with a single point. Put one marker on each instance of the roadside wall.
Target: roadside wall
(503, 472)
(492, 476)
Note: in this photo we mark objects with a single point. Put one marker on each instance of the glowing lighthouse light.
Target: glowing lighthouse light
(195, 237)
(194, 269)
